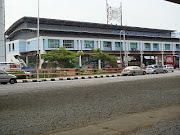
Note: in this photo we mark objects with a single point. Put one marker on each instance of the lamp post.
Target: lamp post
(38, 38)
(38, 56)
(120, 50)
(179, 51)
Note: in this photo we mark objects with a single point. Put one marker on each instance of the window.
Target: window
(117, 45)
(68, 43)
(53, 43)
(13, 47)
(155, 46)
(133, 46)
(107, 44)
(89, 44)
(9, 47)
(177, 46)
(147, 45)
(167, 46)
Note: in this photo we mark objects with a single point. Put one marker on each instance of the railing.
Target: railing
(62, 72)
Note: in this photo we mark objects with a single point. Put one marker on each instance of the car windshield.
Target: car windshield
(149, 66)
(2, 72)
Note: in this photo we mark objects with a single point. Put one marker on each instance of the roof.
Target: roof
(81, 24)
(174, 1)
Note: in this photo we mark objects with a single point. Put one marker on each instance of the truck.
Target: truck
(172, 60)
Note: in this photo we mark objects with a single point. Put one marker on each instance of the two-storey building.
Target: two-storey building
(136, 42)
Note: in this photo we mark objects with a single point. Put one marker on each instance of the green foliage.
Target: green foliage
(104, 57)
(64, 58)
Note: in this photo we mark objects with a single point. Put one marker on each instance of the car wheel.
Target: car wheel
(154, 72)
(144, 73)
(173, 71)
(12, 81)
(133, 74)
(164, 71)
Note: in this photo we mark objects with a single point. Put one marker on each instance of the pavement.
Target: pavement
(124, 124)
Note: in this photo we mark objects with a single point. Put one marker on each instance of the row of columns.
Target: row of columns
(126, 53)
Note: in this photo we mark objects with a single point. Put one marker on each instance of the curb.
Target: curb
(64, 78)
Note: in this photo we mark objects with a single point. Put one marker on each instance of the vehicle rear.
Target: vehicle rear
(150, 69)
(169, 68)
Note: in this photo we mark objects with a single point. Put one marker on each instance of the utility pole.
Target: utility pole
(38, 56)
(2, 29)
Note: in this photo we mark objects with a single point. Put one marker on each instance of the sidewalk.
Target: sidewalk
(124, 124)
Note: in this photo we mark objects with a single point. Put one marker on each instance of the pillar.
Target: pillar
(27, 60)
(80, 57)
(42, 51)
(99, 61)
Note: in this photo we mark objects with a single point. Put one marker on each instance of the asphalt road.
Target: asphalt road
(33, 108)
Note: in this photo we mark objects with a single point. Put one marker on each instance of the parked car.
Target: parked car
(7, 78)
(155, 69)
(133, 70)
(168, 68)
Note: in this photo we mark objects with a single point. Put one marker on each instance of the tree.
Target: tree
(64, 58)
(104, 57)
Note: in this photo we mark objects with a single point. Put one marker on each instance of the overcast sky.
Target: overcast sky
(157, 14)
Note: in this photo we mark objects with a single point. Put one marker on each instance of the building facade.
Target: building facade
(129, 42)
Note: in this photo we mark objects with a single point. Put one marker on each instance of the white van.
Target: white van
(9, 65)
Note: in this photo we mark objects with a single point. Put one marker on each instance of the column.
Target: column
(42, 51)
(99, 61)
(141, 51)
(27, 60)
(80, 57)
(162, 54)
(173, 48)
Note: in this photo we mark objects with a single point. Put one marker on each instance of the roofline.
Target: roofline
(79, 24)
(85, 32)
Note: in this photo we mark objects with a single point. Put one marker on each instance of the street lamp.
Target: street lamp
(38, 56)
(120, 50)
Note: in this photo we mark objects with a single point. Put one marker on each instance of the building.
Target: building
(75, 36)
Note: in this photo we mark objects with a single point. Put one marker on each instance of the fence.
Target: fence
(62, 72)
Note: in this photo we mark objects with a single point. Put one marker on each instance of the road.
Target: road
(34, 108)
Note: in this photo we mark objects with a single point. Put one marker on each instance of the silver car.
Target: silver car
(133, 70)
(168, 68)
(155, 69)
(7, 78)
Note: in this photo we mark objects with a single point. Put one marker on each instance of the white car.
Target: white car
(133, 70)
(168, 68)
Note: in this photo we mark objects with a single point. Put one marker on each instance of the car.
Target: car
(133, 70)
(168, 68)
(7, 78)
(155, 69)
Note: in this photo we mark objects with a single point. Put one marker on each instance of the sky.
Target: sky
(158, 14)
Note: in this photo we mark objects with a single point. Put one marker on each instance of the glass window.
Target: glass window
(155, 46)
(167, 46)
(133, 46)
(147, 45)
(177, 46)
(117, 45)
(68, 43)
(13, 47)
(89, 44)
(53, 43)
(106, 44)
(9, 47)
